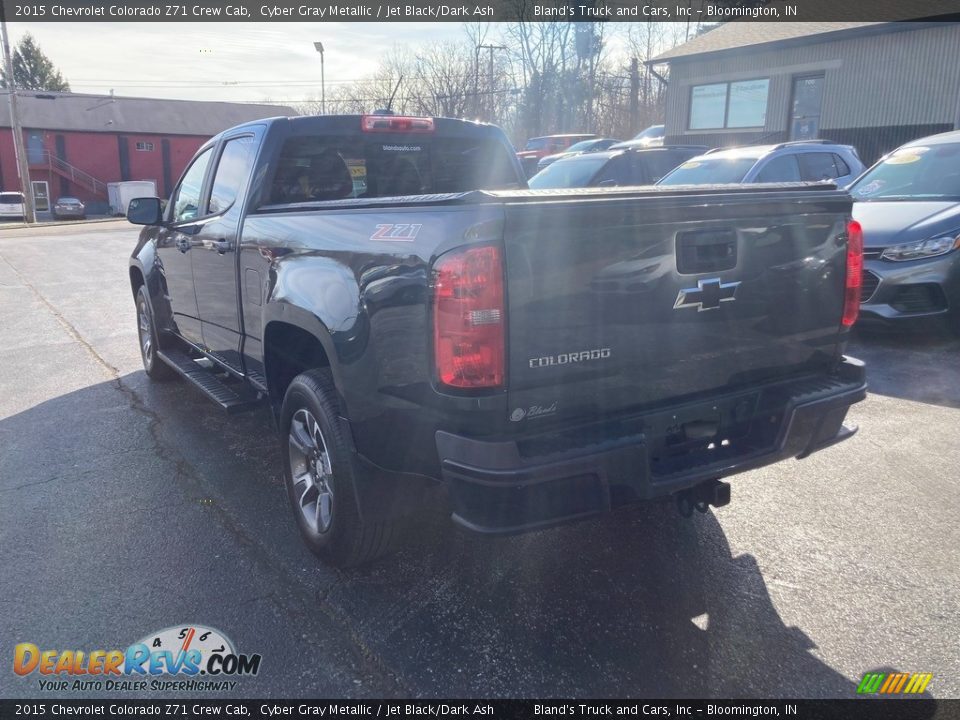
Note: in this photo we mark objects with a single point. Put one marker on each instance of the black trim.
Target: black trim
(123, 154)
(60, 143)
(167, 188)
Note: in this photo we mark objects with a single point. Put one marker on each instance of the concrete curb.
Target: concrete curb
(58, 223)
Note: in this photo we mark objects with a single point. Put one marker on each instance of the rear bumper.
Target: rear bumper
(514, 486)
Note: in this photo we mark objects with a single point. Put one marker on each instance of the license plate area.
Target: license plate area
(685, 438)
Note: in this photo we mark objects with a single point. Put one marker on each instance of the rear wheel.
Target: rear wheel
(149, 338)
(320, 477)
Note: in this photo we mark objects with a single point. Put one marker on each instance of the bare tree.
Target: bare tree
(549, 77)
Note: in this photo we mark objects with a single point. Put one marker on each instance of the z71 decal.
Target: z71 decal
(400, 232)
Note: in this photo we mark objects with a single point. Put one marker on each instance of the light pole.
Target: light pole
(318, 46)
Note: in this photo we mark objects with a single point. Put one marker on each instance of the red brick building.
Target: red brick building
(78, 143)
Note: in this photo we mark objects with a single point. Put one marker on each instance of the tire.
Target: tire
(320, 475)
(149, 340)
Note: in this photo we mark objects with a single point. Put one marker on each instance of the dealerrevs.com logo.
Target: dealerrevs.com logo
(196, 657)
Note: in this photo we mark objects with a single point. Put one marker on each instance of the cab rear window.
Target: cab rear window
(314, 168)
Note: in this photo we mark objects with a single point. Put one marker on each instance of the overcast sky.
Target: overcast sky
(272, 61)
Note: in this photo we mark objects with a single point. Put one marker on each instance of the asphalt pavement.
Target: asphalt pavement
(128, 506)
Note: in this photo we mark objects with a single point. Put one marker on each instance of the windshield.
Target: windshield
(7, 198)
(575, 172)
(68, 201)
(536, 144)
(913, 173)
(710, 171)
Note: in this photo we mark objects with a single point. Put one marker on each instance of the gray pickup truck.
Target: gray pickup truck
(416, 318)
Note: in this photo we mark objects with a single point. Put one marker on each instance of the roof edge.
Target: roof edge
(828, 36)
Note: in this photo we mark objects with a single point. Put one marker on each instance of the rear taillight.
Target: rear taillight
(851, 301)
(390, 123)
(468, 318)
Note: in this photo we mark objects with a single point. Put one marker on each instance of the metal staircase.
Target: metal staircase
(64, 169)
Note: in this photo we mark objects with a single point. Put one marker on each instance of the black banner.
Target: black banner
(476, 10)
(856, 709)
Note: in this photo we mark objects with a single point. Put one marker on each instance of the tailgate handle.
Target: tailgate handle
(702, 251)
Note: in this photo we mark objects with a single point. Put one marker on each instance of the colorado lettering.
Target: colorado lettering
(572, 357)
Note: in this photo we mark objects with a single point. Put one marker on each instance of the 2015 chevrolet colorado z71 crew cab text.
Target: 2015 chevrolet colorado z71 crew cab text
(414, 315)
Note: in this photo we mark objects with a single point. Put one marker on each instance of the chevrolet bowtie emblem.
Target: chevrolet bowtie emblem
(707, 295)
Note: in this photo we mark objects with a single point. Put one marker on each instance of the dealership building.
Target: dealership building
(868, 84)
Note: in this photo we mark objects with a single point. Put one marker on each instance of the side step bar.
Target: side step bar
(232, 397)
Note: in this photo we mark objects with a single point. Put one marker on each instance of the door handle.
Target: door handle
(183, 245)
(221, 246)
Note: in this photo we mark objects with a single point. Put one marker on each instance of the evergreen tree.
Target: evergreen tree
(32, 70)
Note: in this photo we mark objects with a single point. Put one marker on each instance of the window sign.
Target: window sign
(707, 106)
(748, 103)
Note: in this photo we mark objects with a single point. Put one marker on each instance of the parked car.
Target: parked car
(798, 161)
(435, 337)
(651, 137)
(584, 146)
(908, 204)
(69, 208)
(539, 147)
(639, 166)
(11, 205)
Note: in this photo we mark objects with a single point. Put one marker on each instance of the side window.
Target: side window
(186, 200)
(657, 164)
(329, 167)
(236, 160)
(842, 167)
(817, 166)
(615, 172)
(780, 169)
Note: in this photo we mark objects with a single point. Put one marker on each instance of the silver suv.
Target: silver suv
(800, 161)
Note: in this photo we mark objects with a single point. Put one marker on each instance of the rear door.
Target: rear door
(215, 255)
(623, 302)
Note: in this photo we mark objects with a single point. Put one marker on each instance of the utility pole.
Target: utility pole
(23, 169)
(476, 82)
(634, 95)
(491, 48)
(318, 46)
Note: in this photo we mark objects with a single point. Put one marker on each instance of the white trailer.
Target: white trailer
(119, 194)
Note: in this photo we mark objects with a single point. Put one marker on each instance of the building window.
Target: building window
(145, 146)
(741, 104)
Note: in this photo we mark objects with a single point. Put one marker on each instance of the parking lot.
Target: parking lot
(127, 507)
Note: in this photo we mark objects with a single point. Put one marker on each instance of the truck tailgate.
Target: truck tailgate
(625, 300)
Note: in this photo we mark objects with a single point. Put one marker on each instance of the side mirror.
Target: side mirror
(145, 211)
